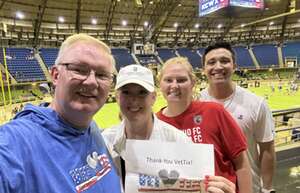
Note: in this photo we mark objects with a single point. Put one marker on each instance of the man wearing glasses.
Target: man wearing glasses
(56, 148)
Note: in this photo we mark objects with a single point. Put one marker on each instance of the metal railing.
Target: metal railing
(285, 112)
(287, 136)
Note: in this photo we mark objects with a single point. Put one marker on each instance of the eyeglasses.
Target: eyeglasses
(82, 72)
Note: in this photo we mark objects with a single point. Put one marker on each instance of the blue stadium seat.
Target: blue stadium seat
(166, 53)
(243, 58)
(49, 56)
(23, 66)
(122, 57)
(192, 55)
(266, 55)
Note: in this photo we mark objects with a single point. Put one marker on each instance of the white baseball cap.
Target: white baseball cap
(136, 74)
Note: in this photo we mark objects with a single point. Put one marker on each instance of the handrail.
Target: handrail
(288, 138)
(286, 129)
(285, 111)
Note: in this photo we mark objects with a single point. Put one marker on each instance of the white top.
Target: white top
(115, 140)
(254, 117)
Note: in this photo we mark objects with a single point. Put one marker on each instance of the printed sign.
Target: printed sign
(164, 166)
(191, 160)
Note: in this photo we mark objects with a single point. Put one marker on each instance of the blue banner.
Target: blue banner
(209, 6)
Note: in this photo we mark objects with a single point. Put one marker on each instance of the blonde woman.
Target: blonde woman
(204, 122)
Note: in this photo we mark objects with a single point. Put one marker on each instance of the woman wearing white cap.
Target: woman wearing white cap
(135, 94)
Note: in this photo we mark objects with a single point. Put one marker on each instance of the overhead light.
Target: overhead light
(124, 23)
(61, 19)
(179, 5)
(146, 23)
(220, 26)
(242, 25)
(175, 25)
(94, 21)
(151, 2)
(139, 3)
(20, 15)
(197, 25)
(271, 23)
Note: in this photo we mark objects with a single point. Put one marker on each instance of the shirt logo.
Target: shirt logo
(240, 117)
(96, 168)
(197, 119)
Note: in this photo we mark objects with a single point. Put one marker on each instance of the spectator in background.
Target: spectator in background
(204, 122)
(250, 111)
(135, 95)
(298, 74)
(56, 148)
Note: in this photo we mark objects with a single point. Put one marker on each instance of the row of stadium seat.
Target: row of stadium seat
(22, 59)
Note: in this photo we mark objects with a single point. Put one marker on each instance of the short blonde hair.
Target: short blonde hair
(81, 37)
(183, 62)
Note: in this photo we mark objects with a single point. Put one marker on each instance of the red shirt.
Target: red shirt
(210, 123)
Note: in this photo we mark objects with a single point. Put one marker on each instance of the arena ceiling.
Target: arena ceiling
(146, 20)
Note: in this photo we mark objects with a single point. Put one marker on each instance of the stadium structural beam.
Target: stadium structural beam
(138, 19)
(227, 28)
(78, 10)
(38, 22)
(189, 20)
(283, 26)
(164, 8)
(2, 4)
(251, 34)
(111, 11)
(270, 18)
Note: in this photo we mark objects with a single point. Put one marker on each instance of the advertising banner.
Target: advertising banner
(209, 6)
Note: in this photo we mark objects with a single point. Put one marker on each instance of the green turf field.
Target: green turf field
(108, 115)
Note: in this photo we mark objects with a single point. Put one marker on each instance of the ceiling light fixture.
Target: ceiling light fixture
(124, 23)
(20, 15)
(61, 19)
(94, 21)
